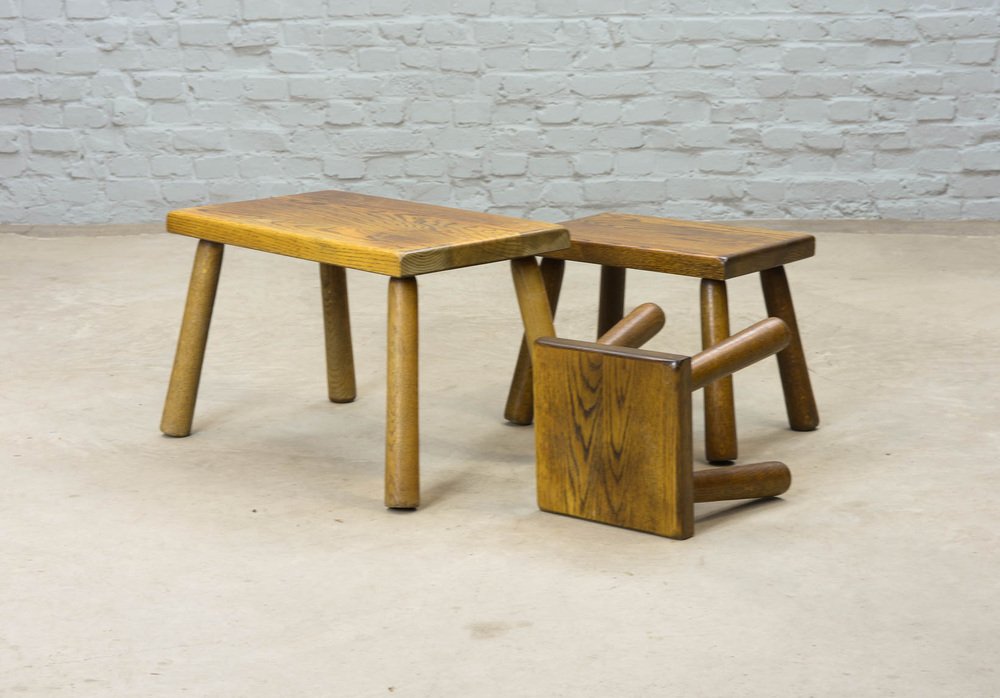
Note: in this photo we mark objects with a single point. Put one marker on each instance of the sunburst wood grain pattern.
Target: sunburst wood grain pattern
(613, 436)
(385, 236)
(338, 229)
(613, 432)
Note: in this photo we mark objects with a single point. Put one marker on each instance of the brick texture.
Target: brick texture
(119, 110)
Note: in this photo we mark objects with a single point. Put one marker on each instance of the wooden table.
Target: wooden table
(399, 239)
(712, 252)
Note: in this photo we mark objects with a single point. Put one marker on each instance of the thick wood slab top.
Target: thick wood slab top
(385, 236)
(705, 250)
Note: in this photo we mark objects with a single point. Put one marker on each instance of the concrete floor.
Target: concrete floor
(255, 558)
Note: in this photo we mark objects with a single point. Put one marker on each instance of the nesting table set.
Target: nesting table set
(636, 398)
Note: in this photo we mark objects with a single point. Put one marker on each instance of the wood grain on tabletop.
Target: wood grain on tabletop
(705, 250)
(385, 236)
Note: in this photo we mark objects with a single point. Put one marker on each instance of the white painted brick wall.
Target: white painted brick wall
(119, 110)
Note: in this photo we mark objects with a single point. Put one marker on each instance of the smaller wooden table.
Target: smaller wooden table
(339, 229)
(709, 251)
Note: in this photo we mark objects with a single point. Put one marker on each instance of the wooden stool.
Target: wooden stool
(613, 431)
(338, 229)
(713, 253)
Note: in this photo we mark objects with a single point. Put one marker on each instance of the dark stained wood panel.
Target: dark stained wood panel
(613, 435)
(705, 250)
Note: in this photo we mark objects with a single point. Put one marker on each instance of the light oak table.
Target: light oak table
(399, 239)
(709, 251)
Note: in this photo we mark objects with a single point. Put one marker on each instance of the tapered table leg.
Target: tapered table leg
(337, 329)
(178, 409)
(720, 414)
(532, 300)
(799, 400)
(402, 430)
(611, 307)
(520, 403)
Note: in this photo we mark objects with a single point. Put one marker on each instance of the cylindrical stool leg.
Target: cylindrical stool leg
(611, 306)
(520, 403)
(720, 414)
(402, 431)
(636, 328)
(532, 300)
(799, 400)
(178, 409)
(769, 479)
(337, 329)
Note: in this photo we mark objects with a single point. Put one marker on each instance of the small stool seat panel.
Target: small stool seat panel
(370, 233)
(613, 436)
(704, 250)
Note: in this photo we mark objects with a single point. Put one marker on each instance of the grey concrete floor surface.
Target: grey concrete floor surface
(254, 558)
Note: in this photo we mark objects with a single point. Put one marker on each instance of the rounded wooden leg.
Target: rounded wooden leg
(799, 400)
(178, 409)
(520, 404)
(636, 328)
(337, 326)
(745, 348)
(720, 415)
(402, 430)
(536, 313)
(611, 307)
(769, 479)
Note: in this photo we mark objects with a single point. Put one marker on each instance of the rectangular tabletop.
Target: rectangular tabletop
(706, 250)
(370, 233)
